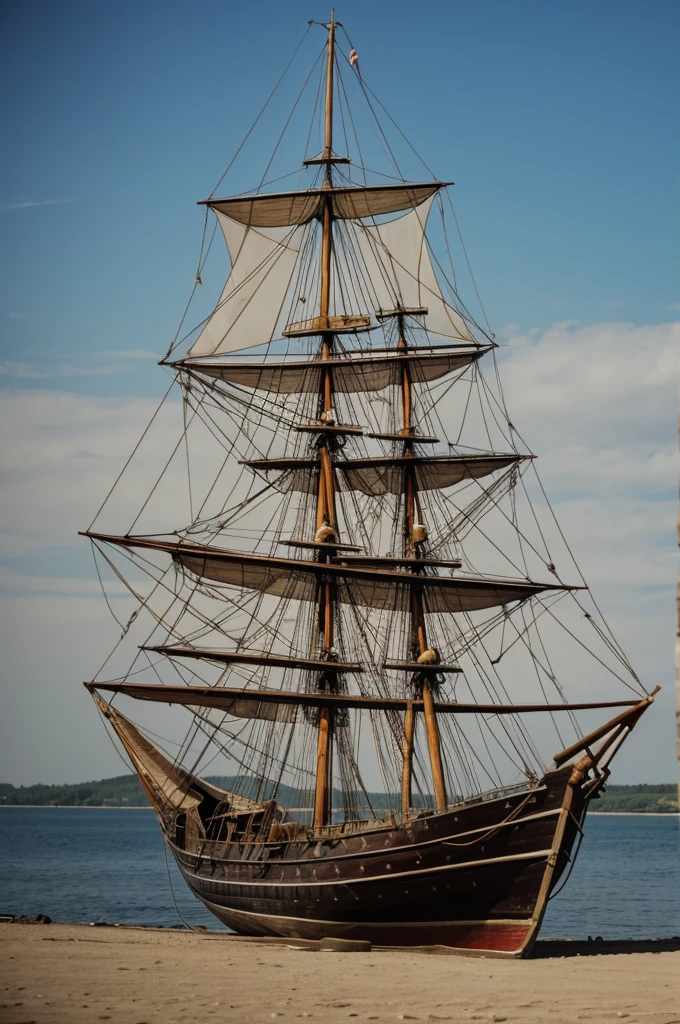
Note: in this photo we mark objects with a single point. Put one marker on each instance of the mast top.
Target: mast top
(328, 127)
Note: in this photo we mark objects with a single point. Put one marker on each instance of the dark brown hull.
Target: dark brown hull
(475, 877)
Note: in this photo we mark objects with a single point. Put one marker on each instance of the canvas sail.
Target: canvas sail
(261, 258)
(397, 262)
(385, 475)
(282, 209)
(356, 372)
(395, 271)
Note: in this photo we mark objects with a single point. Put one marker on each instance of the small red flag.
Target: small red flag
(353, 57)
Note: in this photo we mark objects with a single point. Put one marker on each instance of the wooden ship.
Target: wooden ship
(354, 639)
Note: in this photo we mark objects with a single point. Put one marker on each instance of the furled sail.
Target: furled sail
(164, 781)
(385, 475)
(298, 580)
(357, 372)
(257, 658)
(260, 258)
(397, 262)
(225, 698)
(280, 209)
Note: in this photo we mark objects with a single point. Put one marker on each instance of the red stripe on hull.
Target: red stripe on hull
(502, 937)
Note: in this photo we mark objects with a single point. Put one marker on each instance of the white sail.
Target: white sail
(260, 258)
(393, 256)
(398, 265)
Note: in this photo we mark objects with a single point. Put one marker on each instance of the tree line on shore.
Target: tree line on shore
(126, 791)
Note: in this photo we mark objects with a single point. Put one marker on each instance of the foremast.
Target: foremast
(326, 521)
(413, 536)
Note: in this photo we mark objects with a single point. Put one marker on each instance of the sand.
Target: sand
(67, 974)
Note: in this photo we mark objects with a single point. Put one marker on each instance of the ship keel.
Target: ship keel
(482, 937)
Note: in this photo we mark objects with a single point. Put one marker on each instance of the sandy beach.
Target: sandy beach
(58, 974)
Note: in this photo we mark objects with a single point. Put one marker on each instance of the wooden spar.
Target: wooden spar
(628, 718)
(434, 747)
(431, 726)
(328, 128)
(202, 557)
(255, 658)
(407, 748)
(409, 717)
(327, 235)
(223, 698)
(327, 545)
(321, 497)
(322, 768)
(325, 723)
(325, 506)
(417, 614)
(380, 560)
(405, 379)
(327, 474)
(326, 255)
(418, 621)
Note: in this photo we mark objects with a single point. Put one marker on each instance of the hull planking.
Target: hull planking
(475, 877)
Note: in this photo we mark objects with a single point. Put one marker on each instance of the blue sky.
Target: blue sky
(558, 123)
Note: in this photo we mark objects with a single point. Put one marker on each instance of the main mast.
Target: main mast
(325, 506)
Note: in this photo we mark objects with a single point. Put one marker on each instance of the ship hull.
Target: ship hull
(475, 878)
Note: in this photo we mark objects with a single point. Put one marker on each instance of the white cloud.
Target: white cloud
(605, 385)
(19, 584)
(599, 406)
(52, 645)
(31, 371)
(62, 453)
(8, 207)
(23, 371)
(15, 316)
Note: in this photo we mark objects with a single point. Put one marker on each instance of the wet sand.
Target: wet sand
(58, 974)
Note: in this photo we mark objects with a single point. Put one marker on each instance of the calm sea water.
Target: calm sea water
(79, 865)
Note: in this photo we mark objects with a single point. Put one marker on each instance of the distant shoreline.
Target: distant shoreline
(76, 807)
(126, 791)
(634, 814)
(84, 807)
